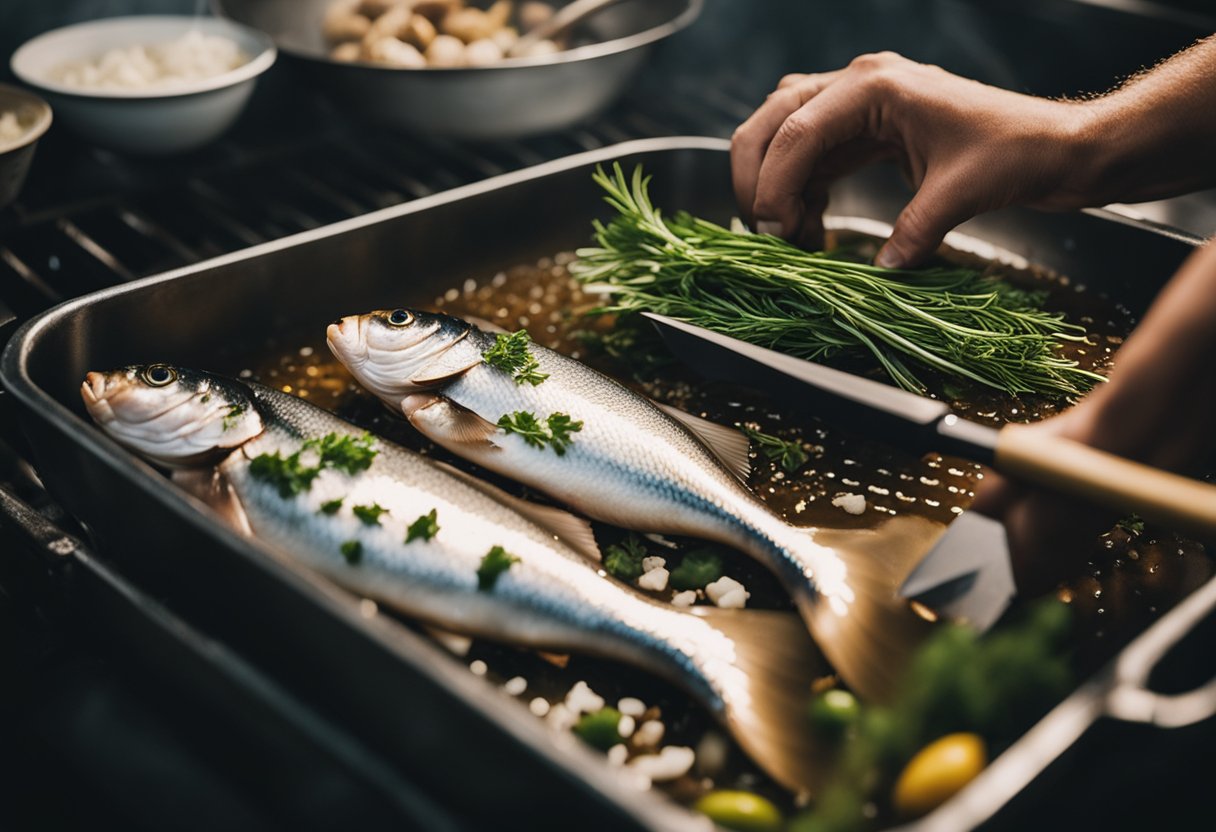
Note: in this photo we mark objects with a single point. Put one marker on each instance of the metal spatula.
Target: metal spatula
(967, 575)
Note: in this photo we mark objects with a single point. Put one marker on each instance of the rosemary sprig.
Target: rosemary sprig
(766, 291)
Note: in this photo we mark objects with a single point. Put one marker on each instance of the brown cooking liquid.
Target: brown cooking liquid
(1129, 581)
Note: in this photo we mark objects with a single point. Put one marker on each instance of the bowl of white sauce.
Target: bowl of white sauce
(147, 84)
(24, 117)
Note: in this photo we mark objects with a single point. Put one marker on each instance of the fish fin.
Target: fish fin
(485, 325)
(573, 530)
(766, 707)
(447, 423)
(869, 632)
(211, 486)
(729, 445)
(446, 366)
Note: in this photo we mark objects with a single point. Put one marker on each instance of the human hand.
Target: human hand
(967, 148)
(1158, 407)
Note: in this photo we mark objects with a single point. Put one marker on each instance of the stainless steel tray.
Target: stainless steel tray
(461, 740)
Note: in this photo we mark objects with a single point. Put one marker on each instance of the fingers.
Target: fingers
(836, 114)
(751, 140)
(941, 203)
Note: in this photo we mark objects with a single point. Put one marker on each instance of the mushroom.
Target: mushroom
(342, 23)
(419, 31)
(482, 52)
(436, 10)
(533, 13)
(445, 50)
(468, 24)
(505, 38)
(348, 52)
(393, 52)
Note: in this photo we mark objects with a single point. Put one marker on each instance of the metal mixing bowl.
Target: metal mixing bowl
(516, 97)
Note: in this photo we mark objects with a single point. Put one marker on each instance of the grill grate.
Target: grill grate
(263, 183)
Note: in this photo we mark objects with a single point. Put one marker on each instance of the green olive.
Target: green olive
(937, 772)
(833, 711)
(742, 811)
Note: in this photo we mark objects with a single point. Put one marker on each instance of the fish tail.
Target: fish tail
(866, 630)
(765, 686)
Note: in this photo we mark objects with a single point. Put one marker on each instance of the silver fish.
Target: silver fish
(638, 465)
(232, 444)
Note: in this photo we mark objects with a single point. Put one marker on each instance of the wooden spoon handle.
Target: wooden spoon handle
(1177, 502)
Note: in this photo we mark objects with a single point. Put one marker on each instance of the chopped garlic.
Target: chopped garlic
(649, 734)
(649, 564)
(617, 755)
(478, 667)
(727, 592)
(561, 718)
(192, 57)
(671, 762)
(655, 579)
(630, 706)
(684, 599)
(516, 686)
(583, 700)
(852, 503)
(626, 726)
(539, 706)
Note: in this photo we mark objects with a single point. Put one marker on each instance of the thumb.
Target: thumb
(935, 209)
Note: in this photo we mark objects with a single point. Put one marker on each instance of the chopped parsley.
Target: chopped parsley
(1133, 524)
(624, 560)
(791, 453)
(699, 568)
(331, 507)
(600, 729)
(370, 515)
(425, 527)
(496, 561)
(291, 476)
(510, 354)
(286, 473)
(555, 431)
(351, 454)
(234, 413)
(352, 550)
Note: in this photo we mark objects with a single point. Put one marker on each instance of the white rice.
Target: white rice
(190, 58)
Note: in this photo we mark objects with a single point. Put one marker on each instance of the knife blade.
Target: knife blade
(968, 573)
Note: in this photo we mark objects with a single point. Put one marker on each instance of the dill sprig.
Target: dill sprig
(761, 289)
(510, 354)
(789, 451)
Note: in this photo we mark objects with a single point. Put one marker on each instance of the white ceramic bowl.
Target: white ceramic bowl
(34, 116)
(148, 121)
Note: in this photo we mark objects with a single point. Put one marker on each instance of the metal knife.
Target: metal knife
(967, 575)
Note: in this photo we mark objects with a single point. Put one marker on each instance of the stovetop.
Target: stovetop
(92, 732)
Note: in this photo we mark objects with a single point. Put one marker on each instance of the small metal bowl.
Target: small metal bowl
(155, 120)
(34, 117)
(513, 98)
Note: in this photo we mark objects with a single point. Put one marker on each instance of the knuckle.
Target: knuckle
(794, 132)
(790, 80)
(873, 61)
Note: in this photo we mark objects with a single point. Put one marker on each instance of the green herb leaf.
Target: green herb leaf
(790, 452)
(234, 413)
(555, 431)
(624, 560)
(699, 568)
(510, 354)
(600, 729)
(1132, 524)
(286, 473)
(496, 561)
(425, 527)
(351, 454)
(370, 515)
(561, 426)
(526, 425)
(331, 507)
(764, 290)
(352, 550)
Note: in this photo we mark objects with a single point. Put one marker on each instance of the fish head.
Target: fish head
(397, 352)
(175, 417)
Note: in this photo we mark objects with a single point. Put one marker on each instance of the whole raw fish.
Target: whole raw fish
(438, 545)
(636, 464)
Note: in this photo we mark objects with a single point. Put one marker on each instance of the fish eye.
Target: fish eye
(400, 317)
(158, 375)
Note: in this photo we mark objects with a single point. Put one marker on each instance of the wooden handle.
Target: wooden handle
(1174, 501)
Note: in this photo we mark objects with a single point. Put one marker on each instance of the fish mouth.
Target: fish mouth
(93, 391)
(345, 340)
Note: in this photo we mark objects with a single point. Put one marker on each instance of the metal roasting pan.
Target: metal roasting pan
(410, 703)
(519, 97)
